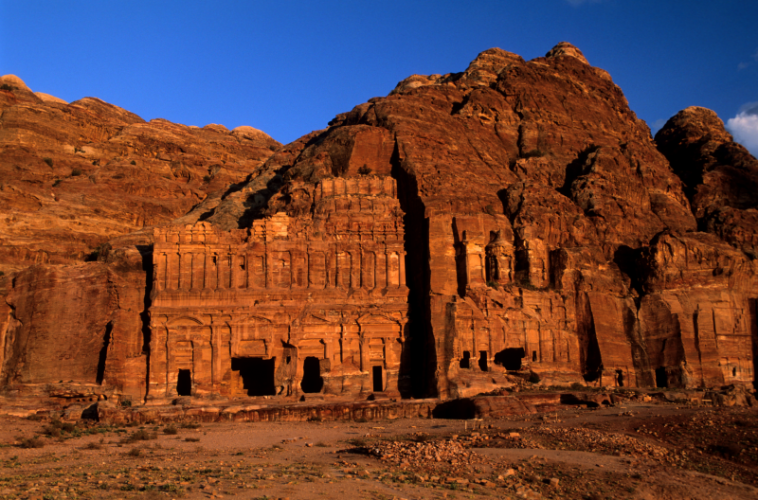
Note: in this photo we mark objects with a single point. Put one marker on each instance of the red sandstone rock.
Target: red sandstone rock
(721, 176)
(516, 217)
(76, 175)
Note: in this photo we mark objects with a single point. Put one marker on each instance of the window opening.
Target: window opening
(511, 358)
(184, 383)
(289, 359)
(734, 372)
(378, 382)
(312, 380)
(257, 375)
(465, 361)
(483, 360)
(534, 355)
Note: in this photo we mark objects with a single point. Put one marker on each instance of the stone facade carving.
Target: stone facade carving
(314, 303)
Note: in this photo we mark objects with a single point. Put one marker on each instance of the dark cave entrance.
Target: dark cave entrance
(378, 379)
(511, 358)
(257, 375)
(620, 377)
(483, 360)
(184, 383)
(661, 377)
(312, 380)
(466, 360)
(594, 362)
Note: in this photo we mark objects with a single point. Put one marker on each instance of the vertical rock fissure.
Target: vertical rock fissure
(420, 344)
(146, 252)
(753, 314)
(104, 353)
(640, 357)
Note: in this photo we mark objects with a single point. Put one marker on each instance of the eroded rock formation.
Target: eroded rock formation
(76, 175)
(512, 219)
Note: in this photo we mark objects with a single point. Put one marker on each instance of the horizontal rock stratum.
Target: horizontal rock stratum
(513, 220)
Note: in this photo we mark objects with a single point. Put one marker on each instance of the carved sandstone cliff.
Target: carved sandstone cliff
(513, 219)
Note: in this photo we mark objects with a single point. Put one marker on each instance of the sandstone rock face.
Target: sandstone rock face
(74, 176)
(512, 220)
(61, 165)
(292, 305)
(720, 176)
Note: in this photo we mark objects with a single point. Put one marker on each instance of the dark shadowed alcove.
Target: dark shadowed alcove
(184, 383)
(510, 358)
(378, 379)
(312, 380)
(257, 375)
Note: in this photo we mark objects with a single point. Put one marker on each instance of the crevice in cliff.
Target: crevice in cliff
(146, 252)
(753, 315)
(589, 350)
(574, 170)
(104, 353)
(640, 356)
(626, 258)
(458, 106)
(418, 362)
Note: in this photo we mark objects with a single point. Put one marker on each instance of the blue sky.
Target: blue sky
(287, 67)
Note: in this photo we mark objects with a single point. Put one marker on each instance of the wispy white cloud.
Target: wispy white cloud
(744, 127)
(657, 125)
(743, 65)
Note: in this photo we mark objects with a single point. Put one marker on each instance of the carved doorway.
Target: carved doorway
(465, 360)
(661, 377)
(184, 383)
(510, 359)
(312, 380)
(378, 379)
(257, 375)
(483, 360)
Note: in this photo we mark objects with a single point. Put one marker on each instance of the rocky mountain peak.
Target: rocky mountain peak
(566, 49)
(693, 124)
(14, 82)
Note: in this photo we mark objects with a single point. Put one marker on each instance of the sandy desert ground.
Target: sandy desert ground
(633, 451)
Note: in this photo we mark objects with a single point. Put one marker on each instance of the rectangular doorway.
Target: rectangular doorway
(257, 375)
(378, 379)
(184, 383)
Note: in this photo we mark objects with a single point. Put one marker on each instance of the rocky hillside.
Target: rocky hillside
(74, 175)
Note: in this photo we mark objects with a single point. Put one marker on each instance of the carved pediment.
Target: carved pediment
(373, 318)
(314, 319)
(185, 321)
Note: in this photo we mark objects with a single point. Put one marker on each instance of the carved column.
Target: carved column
(219, 283)
(215, 358)
(386, 268)
(206, 272)
(267, 269)
(233, 270)
(158, 383)
(401, 264)
(185, 270)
